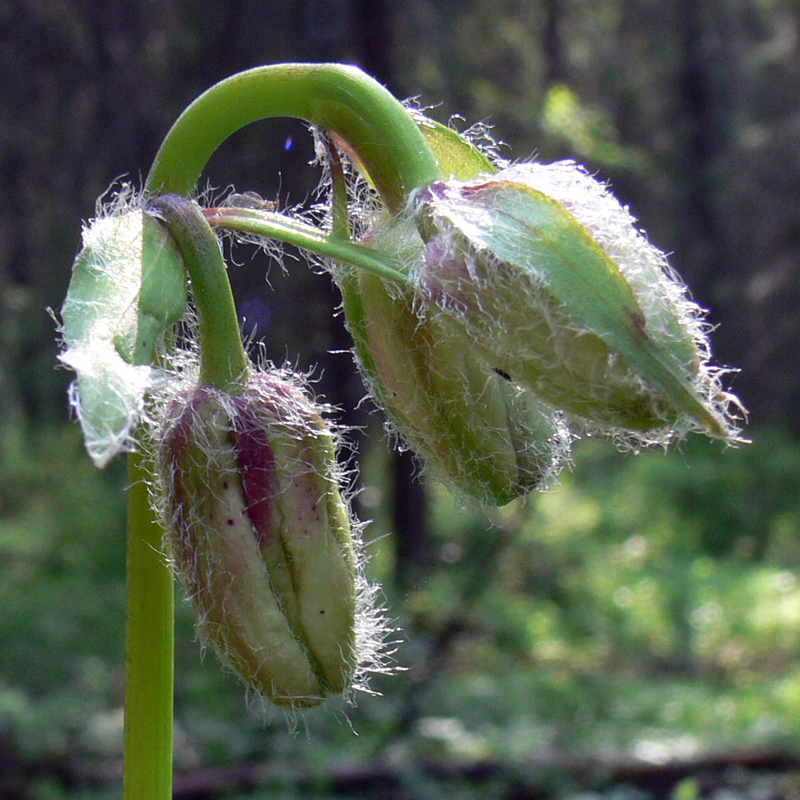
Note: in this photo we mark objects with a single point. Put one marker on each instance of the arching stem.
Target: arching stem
(385, 139)
(341, 99)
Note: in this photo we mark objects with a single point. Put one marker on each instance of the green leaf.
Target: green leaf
(457, 157)
(128, 286)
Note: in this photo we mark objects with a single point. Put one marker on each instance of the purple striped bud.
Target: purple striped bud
(478, 433)
(261, 536)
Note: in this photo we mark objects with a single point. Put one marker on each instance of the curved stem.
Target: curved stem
(269, 224)
(223, 362)
(147, 771)
(339, 98)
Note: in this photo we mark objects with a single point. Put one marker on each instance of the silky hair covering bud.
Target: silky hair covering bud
(128, 286)
(473, 430)
(261, 537)
(556, 287)
(479, 434)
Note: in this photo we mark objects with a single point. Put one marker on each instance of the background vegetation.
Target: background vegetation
(633, 632)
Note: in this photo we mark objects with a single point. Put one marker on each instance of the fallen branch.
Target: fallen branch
(531, 778)
(535, 777)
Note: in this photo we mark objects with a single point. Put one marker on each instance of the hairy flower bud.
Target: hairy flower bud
(556, 288)
(473, 428)
(261, 536)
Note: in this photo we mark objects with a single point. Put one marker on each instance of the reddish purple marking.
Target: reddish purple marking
(257, 466)
(179, 440)
(177, 452)
(445, 271)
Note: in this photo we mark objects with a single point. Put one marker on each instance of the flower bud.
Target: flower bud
(261, 536)
(474, 429)
(556, 288)
(128, 285)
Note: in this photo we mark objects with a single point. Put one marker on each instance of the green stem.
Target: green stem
(341, 99)
(340, 222)
(272, 225)
(223, 362)
(147, 772)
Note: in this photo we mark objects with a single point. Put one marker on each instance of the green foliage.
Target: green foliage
(646, 605)
(645, 600)
(62, 561)
(588, 131)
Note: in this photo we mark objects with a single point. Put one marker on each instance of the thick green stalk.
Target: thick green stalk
(341, 99)
(223, 362)
(147, 772)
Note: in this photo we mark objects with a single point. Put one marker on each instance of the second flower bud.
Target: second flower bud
(261, 536)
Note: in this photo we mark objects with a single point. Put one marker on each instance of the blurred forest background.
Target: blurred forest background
(632, 633)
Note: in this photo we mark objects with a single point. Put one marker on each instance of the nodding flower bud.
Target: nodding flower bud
(556, 288)
(261, 536)
(471, 427)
